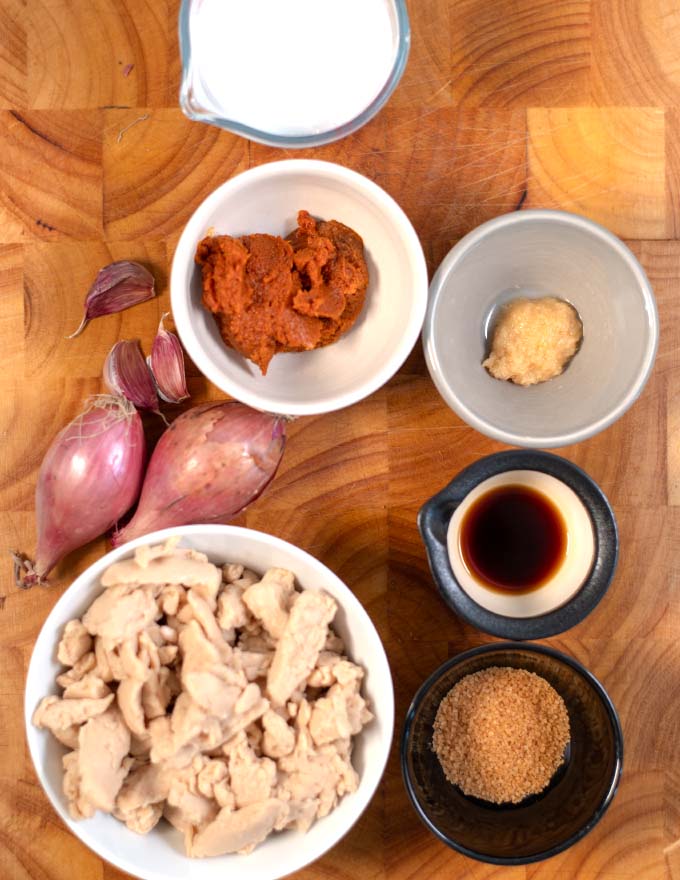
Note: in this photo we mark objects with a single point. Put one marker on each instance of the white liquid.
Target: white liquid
(291, 67)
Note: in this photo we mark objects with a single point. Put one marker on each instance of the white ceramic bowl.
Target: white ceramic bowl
(267, 199)
(542, 253)
(160, 854)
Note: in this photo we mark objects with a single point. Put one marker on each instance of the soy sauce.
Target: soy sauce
(513, 539)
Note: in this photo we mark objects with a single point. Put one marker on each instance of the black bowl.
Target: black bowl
(433, 523)
(542, 825)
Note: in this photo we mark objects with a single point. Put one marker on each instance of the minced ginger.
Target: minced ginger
(534, 340)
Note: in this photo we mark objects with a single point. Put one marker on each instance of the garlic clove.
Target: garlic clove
(166, 363)
(116, 287)
(126, 374)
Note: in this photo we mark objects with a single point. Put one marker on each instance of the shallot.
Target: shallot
(90, 476)
(207, 467)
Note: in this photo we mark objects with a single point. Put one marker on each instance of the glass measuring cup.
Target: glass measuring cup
(295, 74)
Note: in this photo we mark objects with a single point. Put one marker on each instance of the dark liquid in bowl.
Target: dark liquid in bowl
(513, 539)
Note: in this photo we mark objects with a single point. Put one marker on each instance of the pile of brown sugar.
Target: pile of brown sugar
(500, 734)
(269, 294)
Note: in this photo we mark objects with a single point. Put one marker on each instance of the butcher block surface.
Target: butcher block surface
(505, 105)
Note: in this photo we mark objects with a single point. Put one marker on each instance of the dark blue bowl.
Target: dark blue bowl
(542, 825)
(433, 522)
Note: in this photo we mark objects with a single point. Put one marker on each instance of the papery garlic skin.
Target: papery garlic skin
(126, 373)
(166, 363)
(116, 287)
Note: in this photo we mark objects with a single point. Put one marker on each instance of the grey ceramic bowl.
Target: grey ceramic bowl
(542, 825)
(433, 523)
(542, 253)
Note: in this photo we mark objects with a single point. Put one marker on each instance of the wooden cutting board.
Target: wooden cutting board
(505, 105)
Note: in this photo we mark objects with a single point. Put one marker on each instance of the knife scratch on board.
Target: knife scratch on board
(127, 127)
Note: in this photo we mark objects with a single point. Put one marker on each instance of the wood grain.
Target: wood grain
(427, 80)
(50, 174)
(605, 162)
(530, 53)
(503, 106)
(13, 57)
(645, 34)
(99, 53)
(158, 166)
(672, 125)
(12, 307)
(452, 168)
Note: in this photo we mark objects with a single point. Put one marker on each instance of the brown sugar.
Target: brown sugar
(271, 295)
(500, 734)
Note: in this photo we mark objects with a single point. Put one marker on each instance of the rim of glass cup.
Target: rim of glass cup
(194, 111)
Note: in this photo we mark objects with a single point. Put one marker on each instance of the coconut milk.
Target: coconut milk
(291, 67)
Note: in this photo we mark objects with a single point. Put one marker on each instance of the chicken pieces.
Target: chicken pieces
(104, 744)
(301, 642)
(207, 696)
(236, 830)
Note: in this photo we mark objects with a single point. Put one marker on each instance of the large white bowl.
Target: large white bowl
(534, 254)
(160, 854)
(267, 199)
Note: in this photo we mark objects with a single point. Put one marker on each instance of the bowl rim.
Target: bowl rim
(194, 111)
(512, 647)
(440, 506)
(351, 606)
(441, 278)
(186, 246)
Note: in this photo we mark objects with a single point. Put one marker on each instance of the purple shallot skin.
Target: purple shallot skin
(208, 466)
(90, 477)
